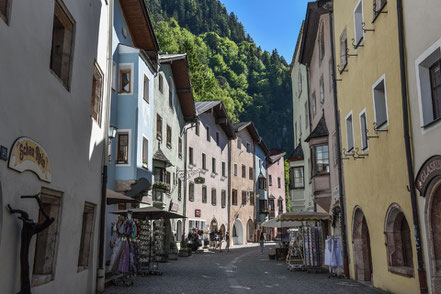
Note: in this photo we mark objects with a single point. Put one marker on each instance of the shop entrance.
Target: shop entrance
(362, 248)
(250, 231)
(434, 228)
(237, 232)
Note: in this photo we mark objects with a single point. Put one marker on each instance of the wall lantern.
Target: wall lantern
(112, 131)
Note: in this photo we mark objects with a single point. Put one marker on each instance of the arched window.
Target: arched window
(398, 242)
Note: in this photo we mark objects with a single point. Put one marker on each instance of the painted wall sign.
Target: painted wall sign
(430, 169)
(26, 154)
(197, 213)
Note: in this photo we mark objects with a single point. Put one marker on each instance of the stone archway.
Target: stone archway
(361, 247)
(433, 217)
(250, 231)
(237, 232)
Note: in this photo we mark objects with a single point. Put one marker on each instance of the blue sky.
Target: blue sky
(271, 24)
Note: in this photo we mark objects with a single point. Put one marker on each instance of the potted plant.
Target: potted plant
(144, 162)
(161, 186)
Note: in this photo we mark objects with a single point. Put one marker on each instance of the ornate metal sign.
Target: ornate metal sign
(199, 180)
(430, 169)
(26, 154)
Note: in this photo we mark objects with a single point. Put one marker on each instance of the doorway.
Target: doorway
(237, 232)
(434, 230)
(362, 247)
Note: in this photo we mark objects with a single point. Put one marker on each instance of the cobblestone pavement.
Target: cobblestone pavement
(242, 270)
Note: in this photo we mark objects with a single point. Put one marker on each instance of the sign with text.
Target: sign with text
(26, 154)
(197, 213)
(430, 169)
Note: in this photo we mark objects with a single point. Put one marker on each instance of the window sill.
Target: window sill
(122, 162)
(38, 280)
(381, 126)
(432, 123)
(402, 271)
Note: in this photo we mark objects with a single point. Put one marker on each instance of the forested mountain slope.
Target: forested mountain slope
(226, 64)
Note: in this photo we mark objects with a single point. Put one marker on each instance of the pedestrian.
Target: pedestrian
(262, 242)
(227, 240)
(220, 241)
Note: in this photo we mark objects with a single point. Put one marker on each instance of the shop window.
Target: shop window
(380, 103)
(213, 165)
(191, 192)
(358, 23)
(244, 171)
(197, 128)
(322, 42)
(204, 194)
(349, 132)
(204, 161)
(299, 177)
(123, 148)
(159, 127)
(145, 94)
(321, 159)
(262, 183)
(223, 169)
(217, 139)
(235, 169)
(161, 83)
(244, 197)
(234, 197)
(223, 198)
(270, 177)
(180, 147)
(190, 156)
(208, 134)
(97, 94)
(322, 90)
(213, 197)
(251, 173)
(279, 183)
(62, 43)
(343, 50)
(378, 7)
(170, 93)
(169, 137)
(47, 240)
(179, 189)
(398, 241)
(251, 198)
(86, 235)
(363, 131)
(145, 152)
(125, 80)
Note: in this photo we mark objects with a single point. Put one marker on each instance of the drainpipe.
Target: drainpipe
(185, 187)
(102, 223)
(339, 161)
(410, 173)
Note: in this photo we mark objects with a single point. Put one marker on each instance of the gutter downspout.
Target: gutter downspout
(421, 271)
(339, 161)
(102, 223)
(185, 188)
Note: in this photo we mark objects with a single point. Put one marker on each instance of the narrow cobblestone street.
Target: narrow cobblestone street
(242, 270)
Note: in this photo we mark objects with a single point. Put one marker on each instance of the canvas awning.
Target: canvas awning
(273, 223)
(115, 198)
(304, 216)
(149, 213)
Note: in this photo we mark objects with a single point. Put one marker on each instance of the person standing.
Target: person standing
(227, 240)
(262, 242)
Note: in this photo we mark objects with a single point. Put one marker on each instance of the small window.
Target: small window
(86, 235)
(244, 197)
(262, 183)
(435, 82)
(169, 137)
(191, 191)
(380, 105)
(235, 169)
(179, 189)
(349, 133)
(217, 139)
(223, 169)
(279, 183)
(280, 204)
(322, 90)
(213, 165)
(170, 93)
(125, 77)
(248, 147)
(97, 94)
(123, 148)
(208, 134)
(204, 194)
(322, 42)
(145, 152)
(363, 131)
(190, 156)
(358, 23)
(234, 197)
(62, 43)
(47, 240)
(161, 83)
(321, 159)
(145, 95)
(4, 9)
(114, 76)
(270, 180)
(204, 161)
(263, 205)
(168, 178)
(299, 178)
(343, 51)
(251, 198)
(239, 143)
(213, 197)
(197, 128)
(159, 127)
(180, 147)
(244, 171)
(314, 105)
(251, 173)
(223, 198)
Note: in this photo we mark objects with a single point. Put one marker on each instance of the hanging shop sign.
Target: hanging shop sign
(430, 169)
(197, 213)
(26, 154)
(199, 180)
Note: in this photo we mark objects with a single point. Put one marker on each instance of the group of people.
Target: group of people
(216, 239)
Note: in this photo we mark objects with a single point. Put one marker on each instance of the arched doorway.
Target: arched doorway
(250, 231)
(222, 229)
(179, 231)
(237, 232)
(213, 225)
(362, 247)
(433, 216)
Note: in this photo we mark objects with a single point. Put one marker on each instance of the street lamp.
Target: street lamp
(112, 131)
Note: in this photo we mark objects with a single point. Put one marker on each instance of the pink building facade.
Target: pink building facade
(276, 183)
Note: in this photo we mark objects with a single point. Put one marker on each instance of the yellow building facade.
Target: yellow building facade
(378, 205)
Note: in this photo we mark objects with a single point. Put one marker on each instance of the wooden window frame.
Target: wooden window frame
(146, 89)
(204, 194)
(251, 173)
(244, 171)
(159, 127)
(315, 163)
(244, 197)
(213, 197)
(433, 88)
(97, 93)
(121, 73)
(190, 155)
(301, 178)
(223, 198)
(120, 134)
(234, 197)
(191, 191)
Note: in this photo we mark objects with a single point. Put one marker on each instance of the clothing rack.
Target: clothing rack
(333, 256)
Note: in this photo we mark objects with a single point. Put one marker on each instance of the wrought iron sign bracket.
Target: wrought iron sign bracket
(370, 137)
(345, 155)
(365, 29)
(378, 12)
(341, 71)
(349, 54)
(357, 154)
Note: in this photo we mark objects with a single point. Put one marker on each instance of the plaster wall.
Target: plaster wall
(37, 105)
(277, 170)
(379, 180)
